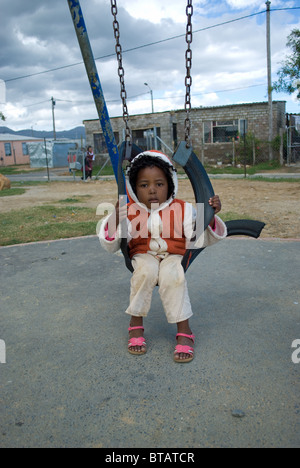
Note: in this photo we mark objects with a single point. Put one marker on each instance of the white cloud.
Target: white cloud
(14, 112)
(241, 4)
(2, 92)
(157, 10)
(224, 57)
(30, 41)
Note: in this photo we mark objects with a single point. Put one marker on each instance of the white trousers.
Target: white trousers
(169, 275)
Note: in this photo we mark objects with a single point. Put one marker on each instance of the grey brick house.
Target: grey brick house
(215, 130)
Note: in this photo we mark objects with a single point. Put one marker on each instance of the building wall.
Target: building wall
(255, 114)
(17, 156)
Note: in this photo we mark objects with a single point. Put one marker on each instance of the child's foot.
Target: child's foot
(184, 351)
(136, 342)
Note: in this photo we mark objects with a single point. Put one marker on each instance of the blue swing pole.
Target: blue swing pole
(95, 84)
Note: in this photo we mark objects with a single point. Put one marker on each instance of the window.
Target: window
(207, 132)
(7, 149)
(223, 131)
(145, 138)
(100, 144)
(25, 149)
(175, 136)
(243, 128)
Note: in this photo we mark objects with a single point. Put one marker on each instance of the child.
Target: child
(88, 160)
(158, 228)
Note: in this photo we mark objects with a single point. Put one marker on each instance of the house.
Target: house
(14, 149)
(216, 132)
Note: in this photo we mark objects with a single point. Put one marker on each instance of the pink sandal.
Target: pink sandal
(136, 342)
(184, 349)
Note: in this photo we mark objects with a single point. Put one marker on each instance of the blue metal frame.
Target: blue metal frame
(95, 84)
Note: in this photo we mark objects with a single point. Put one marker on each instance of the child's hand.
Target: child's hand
(215, 203)
(121, 211)
(117, 217)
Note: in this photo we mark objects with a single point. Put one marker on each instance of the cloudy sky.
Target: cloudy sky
(40, 56)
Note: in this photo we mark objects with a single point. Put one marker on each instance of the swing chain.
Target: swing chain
(188, 78)
(121, 72)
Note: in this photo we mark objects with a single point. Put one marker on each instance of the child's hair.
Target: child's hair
(151, 161)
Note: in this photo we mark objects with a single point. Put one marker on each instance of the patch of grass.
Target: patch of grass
(106, 171)
(75, 200)
(69, 200)
(46, 223)
(28, 183)
(224, 170)
(11, 192)
(263, 166)
(275, 179)
(231, 215)
(8, 170)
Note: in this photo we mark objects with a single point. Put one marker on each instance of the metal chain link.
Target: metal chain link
(121, 72)
(188, 78)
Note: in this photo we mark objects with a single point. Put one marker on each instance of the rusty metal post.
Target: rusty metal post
(94, 80)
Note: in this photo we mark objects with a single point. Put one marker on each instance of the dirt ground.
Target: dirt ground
(274, 203)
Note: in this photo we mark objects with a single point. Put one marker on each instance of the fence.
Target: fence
(236, 148)
(293, 139)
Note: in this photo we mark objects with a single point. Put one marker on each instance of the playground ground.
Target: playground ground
(68, 380)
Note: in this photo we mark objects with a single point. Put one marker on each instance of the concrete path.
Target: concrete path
(68, 380)
(58, 175)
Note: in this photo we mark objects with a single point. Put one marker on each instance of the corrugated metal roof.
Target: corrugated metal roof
(10, 137)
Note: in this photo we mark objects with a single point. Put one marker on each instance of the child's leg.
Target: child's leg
(173, 290)
(143, 281)
(175, 298)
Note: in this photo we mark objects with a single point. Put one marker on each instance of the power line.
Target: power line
(210, 92)
(146, 45)
(282, 9)
(134, 98)
(37, 103)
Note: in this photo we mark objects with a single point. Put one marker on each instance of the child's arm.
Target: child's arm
(110, 235)
(116, 218)
(215, 203)
(215, 231)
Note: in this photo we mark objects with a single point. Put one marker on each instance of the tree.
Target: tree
(289, 73)
(2, 116)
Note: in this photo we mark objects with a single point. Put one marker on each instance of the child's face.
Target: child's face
(152, 186)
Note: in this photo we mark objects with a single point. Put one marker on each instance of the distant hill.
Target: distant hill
(73, 134)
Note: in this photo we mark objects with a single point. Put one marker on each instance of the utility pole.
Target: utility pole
(270, 100)
(53, 105)
(151, 94)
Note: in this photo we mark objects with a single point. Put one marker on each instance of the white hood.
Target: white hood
(153, 153)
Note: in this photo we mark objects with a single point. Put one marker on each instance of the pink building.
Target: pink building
(14, 150)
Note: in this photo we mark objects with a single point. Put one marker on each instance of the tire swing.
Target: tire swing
(184, 155)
